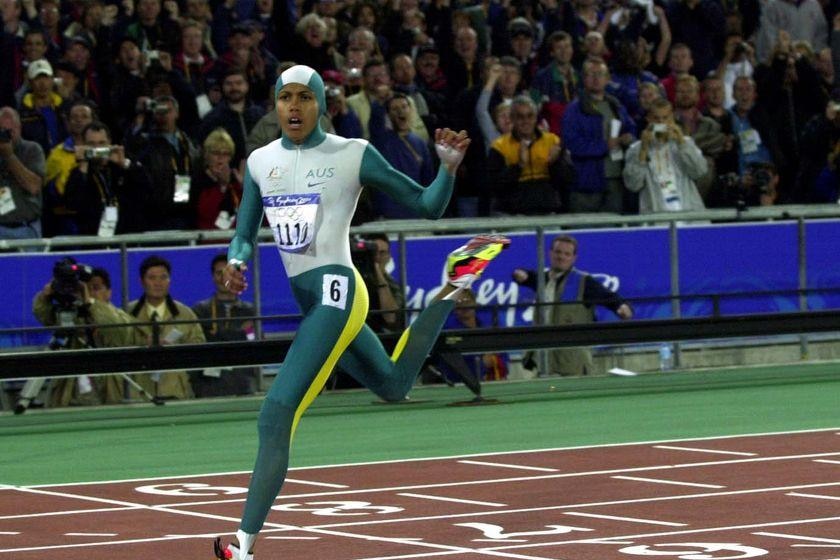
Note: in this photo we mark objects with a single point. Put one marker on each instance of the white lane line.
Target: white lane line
(799, 538)
(292, 538)
(70, 512)
(325, 484)
(91, 534)
(674, 482)
(508, 466)
(456, 500)
(629, 519)
(9, 533)
(699, 450)
(817, 496)
(829, 461)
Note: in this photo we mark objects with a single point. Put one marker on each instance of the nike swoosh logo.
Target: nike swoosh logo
(310, 185)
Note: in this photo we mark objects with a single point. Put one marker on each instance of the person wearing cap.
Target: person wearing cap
(521, 43)
(22, 169)
(308, 183)
(40, 115)
(79, 54)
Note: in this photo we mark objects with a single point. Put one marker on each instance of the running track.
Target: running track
(763, 496)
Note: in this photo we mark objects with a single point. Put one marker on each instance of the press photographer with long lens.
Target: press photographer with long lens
(758, 186)
(76, 300)
(106, 190)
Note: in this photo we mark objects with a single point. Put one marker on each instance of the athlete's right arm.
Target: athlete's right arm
(248, 220)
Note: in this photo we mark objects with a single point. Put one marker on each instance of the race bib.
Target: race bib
(292, 219)
(182, 188)
(7, 203)
(670, 196)
(750, 141)
(108, 222)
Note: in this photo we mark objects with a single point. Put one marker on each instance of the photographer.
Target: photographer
(106, 189)
(757, 187)
(22, 170)
(372, 256)
(75, 299)
(664, 165)
(170, 156)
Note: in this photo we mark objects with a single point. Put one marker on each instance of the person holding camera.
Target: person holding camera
(106, 190)
(664, 165)
(77, 300)
(169, 156)
(22, 170)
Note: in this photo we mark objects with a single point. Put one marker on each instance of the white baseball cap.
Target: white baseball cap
(38, 67)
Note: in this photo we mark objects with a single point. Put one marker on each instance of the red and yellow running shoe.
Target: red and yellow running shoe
(465, 264)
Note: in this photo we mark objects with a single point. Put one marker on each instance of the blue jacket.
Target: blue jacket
(583, 136)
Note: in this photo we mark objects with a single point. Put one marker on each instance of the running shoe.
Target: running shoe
(229, 553)
(465, 264)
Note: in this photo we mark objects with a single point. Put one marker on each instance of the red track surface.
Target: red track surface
(770, 496)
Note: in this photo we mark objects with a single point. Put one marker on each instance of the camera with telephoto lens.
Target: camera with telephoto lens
(98, 152)
(5, 135)
(363, 254)
(67, 277)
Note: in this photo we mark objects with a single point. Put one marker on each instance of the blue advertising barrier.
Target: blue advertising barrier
(635, 261)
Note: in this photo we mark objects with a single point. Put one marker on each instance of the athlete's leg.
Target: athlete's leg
(392, 379)
(321, 338)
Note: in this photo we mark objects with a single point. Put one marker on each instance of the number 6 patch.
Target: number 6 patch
(335, 290)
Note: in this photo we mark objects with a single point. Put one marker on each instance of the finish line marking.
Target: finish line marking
(674, 482)
(699, 450)
(628, 519)
(817, 496)
(456, 500)
(508, 466)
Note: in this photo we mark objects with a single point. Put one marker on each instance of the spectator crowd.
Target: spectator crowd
(138, 115)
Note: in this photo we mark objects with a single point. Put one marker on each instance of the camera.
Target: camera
(152, 55)
(761, 177)
(660, 127)
(5, 135)
(363, 255)
(354, 73)
(150, 105)
(67, 274)
(333, 92)
(98, 152)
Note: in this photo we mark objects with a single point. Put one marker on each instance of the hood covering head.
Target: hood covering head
(305, 76)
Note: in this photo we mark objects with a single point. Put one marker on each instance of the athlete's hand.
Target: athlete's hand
(234, 277)
(451, 147)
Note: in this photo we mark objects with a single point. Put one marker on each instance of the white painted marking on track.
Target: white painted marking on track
(816, 496)
(311, 483)
(829, 461)
(456, 500)
(70, 512)
(9, 533)
(699, 450)
(629, 519)
(799, 538)
(508, 466)
(292, 538)
(674, 482)
(91, 534)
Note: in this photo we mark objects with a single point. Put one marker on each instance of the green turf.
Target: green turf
(346, 427)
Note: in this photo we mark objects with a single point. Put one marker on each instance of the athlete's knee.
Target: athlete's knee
(275, 417)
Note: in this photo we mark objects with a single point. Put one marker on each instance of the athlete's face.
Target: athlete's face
(297, 109)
